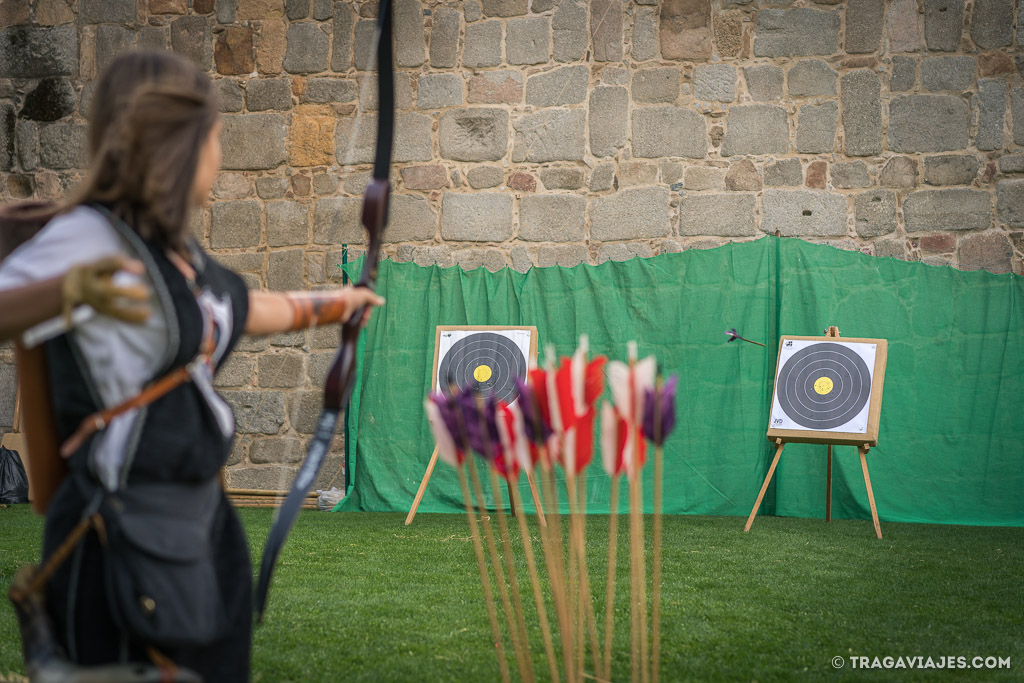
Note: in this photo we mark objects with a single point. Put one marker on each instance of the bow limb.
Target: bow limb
(340, 376)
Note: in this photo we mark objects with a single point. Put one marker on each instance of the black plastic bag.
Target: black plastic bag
(13, 480)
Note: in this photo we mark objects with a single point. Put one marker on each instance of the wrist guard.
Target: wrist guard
(310, 309)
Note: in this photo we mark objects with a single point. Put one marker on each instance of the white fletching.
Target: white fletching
(644, 377)
(578, 374)
(569, 452)
(445, 444)
(609, 437)
(628, 394)
(618, 380)
(520, 444)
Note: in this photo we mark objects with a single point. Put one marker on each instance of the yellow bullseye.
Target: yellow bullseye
(823, 385)
(482, 373)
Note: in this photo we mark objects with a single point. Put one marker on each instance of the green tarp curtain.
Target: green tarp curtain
(951, 441)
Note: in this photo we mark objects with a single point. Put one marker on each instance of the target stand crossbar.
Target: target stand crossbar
(484, 357)
(830, 393)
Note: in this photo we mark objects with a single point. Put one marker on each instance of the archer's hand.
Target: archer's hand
(363, 297)
(93, 284)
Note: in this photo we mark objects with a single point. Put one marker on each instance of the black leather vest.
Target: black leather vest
(176, 438)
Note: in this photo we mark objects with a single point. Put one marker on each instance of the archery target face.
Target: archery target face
(484, 361)
(823, 386)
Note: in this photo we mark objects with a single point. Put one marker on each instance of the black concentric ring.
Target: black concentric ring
(849, 393)
(503, 360)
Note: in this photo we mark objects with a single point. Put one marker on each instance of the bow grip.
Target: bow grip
(375, 204)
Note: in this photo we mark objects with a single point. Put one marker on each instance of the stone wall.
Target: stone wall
(547, 132)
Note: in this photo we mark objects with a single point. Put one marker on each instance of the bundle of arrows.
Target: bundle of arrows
(552, 425)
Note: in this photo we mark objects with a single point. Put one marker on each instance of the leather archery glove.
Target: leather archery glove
(93, 284)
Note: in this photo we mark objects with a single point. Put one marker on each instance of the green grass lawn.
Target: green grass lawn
(359, 596)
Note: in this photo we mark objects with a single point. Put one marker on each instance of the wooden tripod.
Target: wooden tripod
(862, 450)
(512, 507)
(863, 441)
(532, 358)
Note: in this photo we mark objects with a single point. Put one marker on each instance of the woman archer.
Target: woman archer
(163, 573)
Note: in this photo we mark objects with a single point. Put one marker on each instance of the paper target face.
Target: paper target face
(823, 386)
(483, 361)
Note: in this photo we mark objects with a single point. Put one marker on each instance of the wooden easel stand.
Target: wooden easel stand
(434, 378)
(862, 450)
(512, 509)
(830, 440)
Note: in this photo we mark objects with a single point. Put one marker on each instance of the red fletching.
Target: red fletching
(567, 408)
(594, 383)
(621, 433)
(592, 379)
(539, 382)
(512, 442)
(579, 383)
(643, 449)
(507, 468)
(539, 385)
(584, 441)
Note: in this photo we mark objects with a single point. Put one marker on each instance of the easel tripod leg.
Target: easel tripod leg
(423, 487)
(764, 486)
(871, 495)
(828, 487)
(511, 502)
(536, 498)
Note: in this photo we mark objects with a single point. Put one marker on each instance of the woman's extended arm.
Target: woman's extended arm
(26, 306)
(273, 312)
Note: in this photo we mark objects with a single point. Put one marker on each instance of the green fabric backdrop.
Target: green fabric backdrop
(951, 441)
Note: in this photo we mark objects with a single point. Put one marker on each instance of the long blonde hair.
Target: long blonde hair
(150, 115)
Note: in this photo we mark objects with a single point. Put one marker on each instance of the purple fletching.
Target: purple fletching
(733, 335)
(664, 402)
(537, 430)
(491, 419)
(481, 428)
(447, 409)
